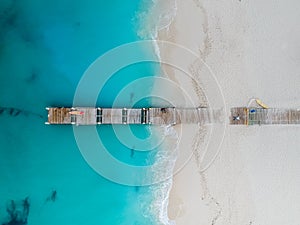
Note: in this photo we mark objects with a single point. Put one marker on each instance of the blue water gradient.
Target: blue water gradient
(45, 47)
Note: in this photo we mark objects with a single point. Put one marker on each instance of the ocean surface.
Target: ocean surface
(45, 48)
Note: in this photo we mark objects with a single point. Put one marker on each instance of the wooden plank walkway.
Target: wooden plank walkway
(170, 116)
(260, 116)
(59, 116)
(155, 116)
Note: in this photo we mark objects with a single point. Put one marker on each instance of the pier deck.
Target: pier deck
(260, 116)
(170, 116)
(59, 116)
(155, 116)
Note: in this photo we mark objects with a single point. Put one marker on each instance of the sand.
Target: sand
(252, 49)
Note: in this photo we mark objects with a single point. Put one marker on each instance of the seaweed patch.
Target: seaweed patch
(12, 18)
(17, 212)
(8, 18)
(11, 111)
(9, 15)
(16, 112)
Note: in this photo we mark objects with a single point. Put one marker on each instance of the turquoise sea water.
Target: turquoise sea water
(45, 47)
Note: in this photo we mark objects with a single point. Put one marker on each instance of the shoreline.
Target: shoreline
(232, 41)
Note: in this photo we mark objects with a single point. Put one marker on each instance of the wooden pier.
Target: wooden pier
(264, 116)
(170, 116)
(155, 116)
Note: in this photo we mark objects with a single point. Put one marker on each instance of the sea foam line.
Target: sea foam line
(151, 21)
(166, 12)
(163, 168)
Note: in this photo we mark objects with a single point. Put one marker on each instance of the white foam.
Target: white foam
(159, 17)
(163, 168)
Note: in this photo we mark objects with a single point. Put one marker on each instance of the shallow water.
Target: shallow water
(45, 47)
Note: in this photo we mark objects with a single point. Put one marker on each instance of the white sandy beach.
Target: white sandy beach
(253, 50)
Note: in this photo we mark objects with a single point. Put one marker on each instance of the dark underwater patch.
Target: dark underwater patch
(17, 212)
(132, 151)
(8, 18)
(32, 77)
(52, 197)
(12, 18)
(14, 112)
